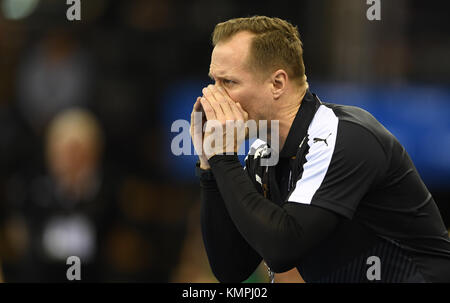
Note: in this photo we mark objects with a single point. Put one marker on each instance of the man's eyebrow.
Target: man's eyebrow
(224, 76)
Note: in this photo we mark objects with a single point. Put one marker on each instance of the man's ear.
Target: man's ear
(279, 82)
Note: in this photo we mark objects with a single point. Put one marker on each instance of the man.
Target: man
(344, 203)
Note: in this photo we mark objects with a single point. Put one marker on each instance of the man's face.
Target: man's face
(229, 70)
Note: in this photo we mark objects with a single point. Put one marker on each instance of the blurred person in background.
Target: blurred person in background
(66, 210)
(55, 72)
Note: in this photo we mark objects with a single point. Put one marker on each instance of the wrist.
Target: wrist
(205, 175)
(223, 157)
(203, 164)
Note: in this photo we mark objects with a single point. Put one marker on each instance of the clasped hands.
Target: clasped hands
(218, 124)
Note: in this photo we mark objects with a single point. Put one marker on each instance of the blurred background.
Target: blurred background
(86, 109)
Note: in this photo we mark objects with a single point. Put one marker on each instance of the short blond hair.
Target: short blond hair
(75, 124)
(276, 44)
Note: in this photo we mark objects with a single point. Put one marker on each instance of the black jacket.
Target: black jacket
(344, 191)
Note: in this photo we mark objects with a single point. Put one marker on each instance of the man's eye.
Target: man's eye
(226, 81)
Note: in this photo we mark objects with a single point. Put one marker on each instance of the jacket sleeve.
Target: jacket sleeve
(230, 256)
(282, 235)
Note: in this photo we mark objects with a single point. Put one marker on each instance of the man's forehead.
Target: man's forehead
(224, 56)
(231, 54)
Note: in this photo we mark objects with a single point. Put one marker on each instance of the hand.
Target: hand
(198, 119)
(226, 117)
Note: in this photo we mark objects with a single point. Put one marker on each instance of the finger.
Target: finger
(209, 110)
(196, 108)
(243, 112)
(221, 98)
(218, 93)
(231, 104)
(196, 127)
(237, 113)
(219, 114)
(197, 105)
(229, 113)
(224, 93)
(224, 103)
(208, 93)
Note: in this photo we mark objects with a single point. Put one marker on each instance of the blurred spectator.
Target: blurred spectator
(66, 210)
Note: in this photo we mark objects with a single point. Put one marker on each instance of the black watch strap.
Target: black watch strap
(203, 174)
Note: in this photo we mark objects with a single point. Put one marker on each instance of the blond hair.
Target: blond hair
(276, 44)
(75, 124)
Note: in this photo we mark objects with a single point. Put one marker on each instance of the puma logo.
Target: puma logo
(320, 139)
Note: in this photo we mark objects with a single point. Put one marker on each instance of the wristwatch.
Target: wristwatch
(203, 174)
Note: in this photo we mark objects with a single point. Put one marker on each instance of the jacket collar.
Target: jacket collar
(299, 127)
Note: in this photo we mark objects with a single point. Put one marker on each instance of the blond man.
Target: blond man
(344, 202)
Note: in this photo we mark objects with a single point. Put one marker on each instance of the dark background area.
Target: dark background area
(127, 71)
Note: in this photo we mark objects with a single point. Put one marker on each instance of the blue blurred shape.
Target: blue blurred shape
(417, 115)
